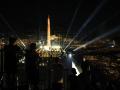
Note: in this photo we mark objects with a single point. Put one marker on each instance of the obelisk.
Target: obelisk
(48, 33)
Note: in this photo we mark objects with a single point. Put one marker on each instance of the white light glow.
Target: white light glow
(70, 55)
(46, 48)
(82, 46)
(56, 47)
(73, 66)
(41, 47)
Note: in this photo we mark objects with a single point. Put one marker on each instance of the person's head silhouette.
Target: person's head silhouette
(84, 66)
(74, 71)
(12, 40)
(32, 46)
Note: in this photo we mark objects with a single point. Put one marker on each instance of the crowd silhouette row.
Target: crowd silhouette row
(87, 80)
(11, 56)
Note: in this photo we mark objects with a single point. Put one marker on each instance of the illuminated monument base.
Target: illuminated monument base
(46, 51)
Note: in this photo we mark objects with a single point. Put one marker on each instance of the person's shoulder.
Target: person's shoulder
(16, 46)
(6, 46)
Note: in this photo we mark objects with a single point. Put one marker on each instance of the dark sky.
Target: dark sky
(29, 17)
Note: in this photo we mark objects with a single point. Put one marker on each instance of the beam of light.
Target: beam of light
(74, 66)
(99, 37)
(98, 26)
(12, 30)
(22, 43)
(88, 21)
(74, 16)
(86, 36)
(72, 61)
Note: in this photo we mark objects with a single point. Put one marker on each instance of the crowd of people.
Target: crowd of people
(91, 78)
(87, 80)
(11, 52)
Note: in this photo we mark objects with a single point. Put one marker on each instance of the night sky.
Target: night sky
(31, 17)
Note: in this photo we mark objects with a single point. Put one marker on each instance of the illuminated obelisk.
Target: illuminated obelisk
(48, 33)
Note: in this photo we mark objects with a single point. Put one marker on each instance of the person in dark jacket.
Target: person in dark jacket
(32, 66)
(10, 62)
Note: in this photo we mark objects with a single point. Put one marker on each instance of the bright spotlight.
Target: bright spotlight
(112, 46)
(74, 66)
(70, 55)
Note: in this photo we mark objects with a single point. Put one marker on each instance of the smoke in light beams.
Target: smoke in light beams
(87, 22)
(99, 37)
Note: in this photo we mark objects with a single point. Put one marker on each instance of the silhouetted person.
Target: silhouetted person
(10, 62)
(84, 77)
(32, 63)
(73, 80)
(98, 79)
(57, 86)
(57, 74)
